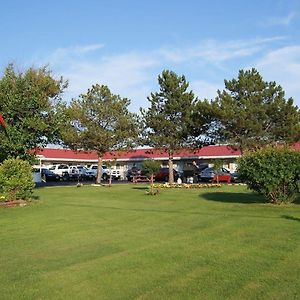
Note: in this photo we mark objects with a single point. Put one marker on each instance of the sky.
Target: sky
(127, 44)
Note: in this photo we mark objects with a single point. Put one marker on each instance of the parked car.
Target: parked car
(62, 170)
(74, 173)
(48, 175)
(235, 177)
(163, 175)
(209, 174)
(82, 171)
(93, 169)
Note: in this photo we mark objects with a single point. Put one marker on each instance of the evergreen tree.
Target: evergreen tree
(100, 121)
(168, 120)
(251, 113)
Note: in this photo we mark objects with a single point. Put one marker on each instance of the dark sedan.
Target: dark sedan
(48, 175)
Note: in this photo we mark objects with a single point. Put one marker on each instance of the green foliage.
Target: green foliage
(28, 103)
(100, 121)
(168, 121)
(273, 172)
(150, 167)
(251, 113)
(218, 164)
(16, 180)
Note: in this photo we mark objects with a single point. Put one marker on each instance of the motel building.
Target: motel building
(125, 160)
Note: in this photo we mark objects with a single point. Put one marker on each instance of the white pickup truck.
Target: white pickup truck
(65, 171)
(93, 169)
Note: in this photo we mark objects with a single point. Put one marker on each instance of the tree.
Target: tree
(150, 168)
(110, 163)
(100, 121)
(29, 104)
(168, 120)
(251, 113)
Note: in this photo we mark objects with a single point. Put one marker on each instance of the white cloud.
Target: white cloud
(134, 74)
(204, 89)
(125, 74)
(283, 66)
(62, 54)
(216, 52)
(281, 21)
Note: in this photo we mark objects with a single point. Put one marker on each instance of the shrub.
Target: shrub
(150, 167)
(16, 179)
(272, 172)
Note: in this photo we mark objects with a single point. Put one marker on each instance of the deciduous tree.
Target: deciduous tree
(28, 104)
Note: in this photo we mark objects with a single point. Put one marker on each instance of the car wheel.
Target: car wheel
(105, 177)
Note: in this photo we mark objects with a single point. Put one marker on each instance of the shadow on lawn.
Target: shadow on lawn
(243, 198)
(141, 188)
(290, 218)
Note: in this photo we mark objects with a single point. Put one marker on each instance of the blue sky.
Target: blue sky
(126, 44)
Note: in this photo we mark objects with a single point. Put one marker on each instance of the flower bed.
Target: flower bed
(13, 203)
(187, 185)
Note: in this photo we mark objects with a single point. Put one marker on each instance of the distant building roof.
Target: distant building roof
(207, 152)
(216, 151)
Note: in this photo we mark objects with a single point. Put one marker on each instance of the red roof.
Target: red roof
(214, 151)
(208, 151)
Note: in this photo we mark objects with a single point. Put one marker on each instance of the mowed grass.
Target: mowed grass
(118, 243)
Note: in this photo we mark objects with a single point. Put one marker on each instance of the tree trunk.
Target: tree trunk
(99, 171)
(171, 173)
(151, 184)
(110, 179)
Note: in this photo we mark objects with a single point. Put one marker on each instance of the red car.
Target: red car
(163, 175)
(209, 174)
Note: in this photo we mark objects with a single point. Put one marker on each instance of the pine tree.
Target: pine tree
(100, 121)
(251, 113)
(168, 120)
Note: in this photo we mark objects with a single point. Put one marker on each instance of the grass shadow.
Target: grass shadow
(290, 218)
(297, 201)
(242, 198)
(140, 188)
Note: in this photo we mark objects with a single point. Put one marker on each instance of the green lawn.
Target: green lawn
(118, 243)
